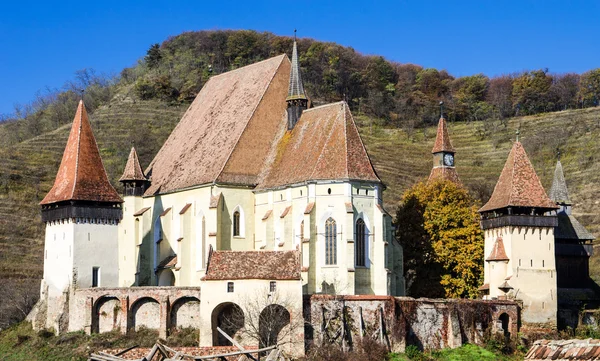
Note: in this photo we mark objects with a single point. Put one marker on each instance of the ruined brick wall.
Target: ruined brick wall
(402, 321)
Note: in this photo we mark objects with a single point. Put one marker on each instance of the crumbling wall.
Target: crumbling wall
(398, 322)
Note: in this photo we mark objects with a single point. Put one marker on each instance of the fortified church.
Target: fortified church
(257, 192)
(254, 191)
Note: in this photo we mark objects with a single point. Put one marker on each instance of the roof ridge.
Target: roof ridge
(234, 147)
(346, 139)
(323, 106)
(249, 65)
(323, 148)
(78, 145)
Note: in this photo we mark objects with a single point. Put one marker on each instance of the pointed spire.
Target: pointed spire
(498, 253)
(81, 175)
(442, 139)
(133, 169)
(296, 89)
(518, 185)
(559, 192)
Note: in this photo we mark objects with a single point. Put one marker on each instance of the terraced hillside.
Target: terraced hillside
(27, 169)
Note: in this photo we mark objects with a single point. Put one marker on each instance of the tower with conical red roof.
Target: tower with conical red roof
(518, 224)
(443, 154)
(81, 212)
(296, 100)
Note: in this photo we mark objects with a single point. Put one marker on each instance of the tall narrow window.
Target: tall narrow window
(95, 276)
(359, 245)
(301, 231)
(229, 287)
(272, 286)
(330, 242)
(236, 224)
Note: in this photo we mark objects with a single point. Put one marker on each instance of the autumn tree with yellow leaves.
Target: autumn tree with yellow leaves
(438, 226)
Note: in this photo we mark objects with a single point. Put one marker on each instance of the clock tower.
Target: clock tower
(443, 154)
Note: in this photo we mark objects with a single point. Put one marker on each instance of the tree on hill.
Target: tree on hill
(438, 226)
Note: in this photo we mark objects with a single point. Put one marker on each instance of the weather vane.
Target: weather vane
(81, 91)
(518, 132)
(294, 34)
(441, 109)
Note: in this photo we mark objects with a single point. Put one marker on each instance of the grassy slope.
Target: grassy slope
(399, 160)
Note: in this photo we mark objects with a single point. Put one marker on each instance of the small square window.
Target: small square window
(229, 287)
(272, 286)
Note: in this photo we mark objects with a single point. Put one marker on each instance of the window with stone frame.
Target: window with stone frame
(236, 224)
(330, 242)
(360, 244)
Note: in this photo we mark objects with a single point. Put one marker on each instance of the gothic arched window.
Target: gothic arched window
(359, 245)
(236, 224)
(330, 242)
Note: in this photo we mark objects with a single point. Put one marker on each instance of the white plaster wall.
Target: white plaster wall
(58, 257)
(96, 245)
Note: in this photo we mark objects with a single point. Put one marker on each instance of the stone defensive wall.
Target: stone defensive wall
(394, 321)
(98, 310)
(402, 321)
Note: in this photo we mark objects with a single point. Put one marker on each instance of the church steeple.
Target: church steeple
(443, 153)
(296, 99)
(133, 178)
(559, 192)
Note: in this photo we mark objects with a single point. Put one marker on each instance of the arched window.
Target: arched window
(236, 224)
(359, 246)
(330, 242)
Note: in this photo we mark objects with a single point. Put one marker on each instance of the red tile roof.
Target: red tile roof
(185, 208)
(141, 211)
(81, 175)
(588, 349)
(498, 253)
(133, 169)
(324, 145)
(442, 139)
(285, 212)
(267, 265)
(518, 185)
(309, 207)
(267, 214)
(227, 133)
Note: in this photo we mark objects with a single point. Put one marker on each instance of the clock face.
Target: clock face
(448, 160)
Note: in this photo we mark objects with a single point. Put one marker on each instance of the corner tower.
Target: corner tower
(443, 154)
(573, 242)
(81, 212)
(519, 241)
(296, 100)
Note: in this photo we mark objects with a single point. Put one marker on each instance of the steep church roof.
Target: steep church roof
(227, 132)
(324, 145)
(296, 89)
(133, 169)
(559, 192)
(442, 139)
(518, 185)
(81, 175)
(498, 253)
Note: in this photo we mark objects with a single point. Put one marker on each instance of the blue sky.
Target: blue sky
(43, 44)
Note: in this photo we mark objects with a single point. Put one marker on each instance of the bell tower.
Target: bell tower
(296, 100)
(443, 153)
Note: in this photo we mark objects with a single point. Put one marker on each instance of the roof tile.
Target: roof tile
(498, 253)
(442, 139)
(270, 265)
(133, 169)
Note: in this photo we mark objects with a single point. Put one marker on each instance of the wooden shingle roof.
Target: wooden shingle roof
(81, 175)
(518, 185)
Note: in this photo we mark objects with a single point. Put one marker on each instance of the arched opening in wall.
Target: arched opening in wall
(272, 321)
(360, 244)
(107, 314)
(238, 225)
(504, 322)
(229, 317)
(145, 312)
(185, 313)
(166, 278)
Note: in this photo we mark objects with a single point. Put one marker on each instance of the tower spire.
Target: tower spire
(443, 153)
(296, 99)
